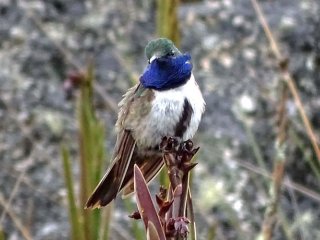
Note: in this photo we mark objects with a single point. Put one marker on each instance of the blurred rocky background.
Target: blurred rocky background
(42, 41)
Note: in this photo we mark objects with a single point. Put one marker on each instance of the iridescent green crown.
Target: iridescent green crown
(161, 47)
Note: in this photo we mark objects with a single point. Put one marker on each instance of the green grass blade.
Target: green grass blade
(1, 234)
(76, 228)
(105, 224)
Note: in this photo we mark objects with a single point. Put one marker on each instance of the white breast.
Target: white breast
(166, 110)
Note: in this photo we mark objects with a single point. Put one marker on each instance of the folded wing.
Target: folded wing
(111, 183)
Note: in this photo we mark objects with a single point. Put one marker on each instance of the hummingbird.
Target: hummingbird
(167, 101)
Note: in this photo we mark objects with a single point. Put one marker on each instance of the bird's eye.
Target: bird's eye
(170, 54)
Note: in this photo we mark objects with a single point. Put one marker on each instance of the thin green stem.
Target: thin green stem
(75, 220)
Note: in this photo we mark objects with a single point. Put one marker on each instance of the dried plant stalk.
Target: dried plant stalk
(287, 85)
(287, 78)
(270, 218)
(178, 162)
(175, 204)
(15, 219)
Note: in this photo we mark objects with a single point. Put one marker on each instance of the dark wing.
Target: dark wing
(149, 161)
(149, 165)
(110, 184)
(133, 106)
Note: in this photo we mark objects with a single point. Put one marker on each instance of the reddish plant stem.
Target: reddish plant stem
(177, 158)
(279, 166)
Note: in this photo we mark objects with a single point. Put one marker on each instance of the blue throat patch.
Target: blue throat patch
(167, 72)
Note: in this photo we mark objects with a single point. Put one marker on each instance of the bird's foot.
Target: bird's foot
(178, 153)
(170, 144)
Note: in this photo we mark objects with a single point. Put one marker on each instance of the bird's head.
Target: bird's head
(168, 68)
(159, 48)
